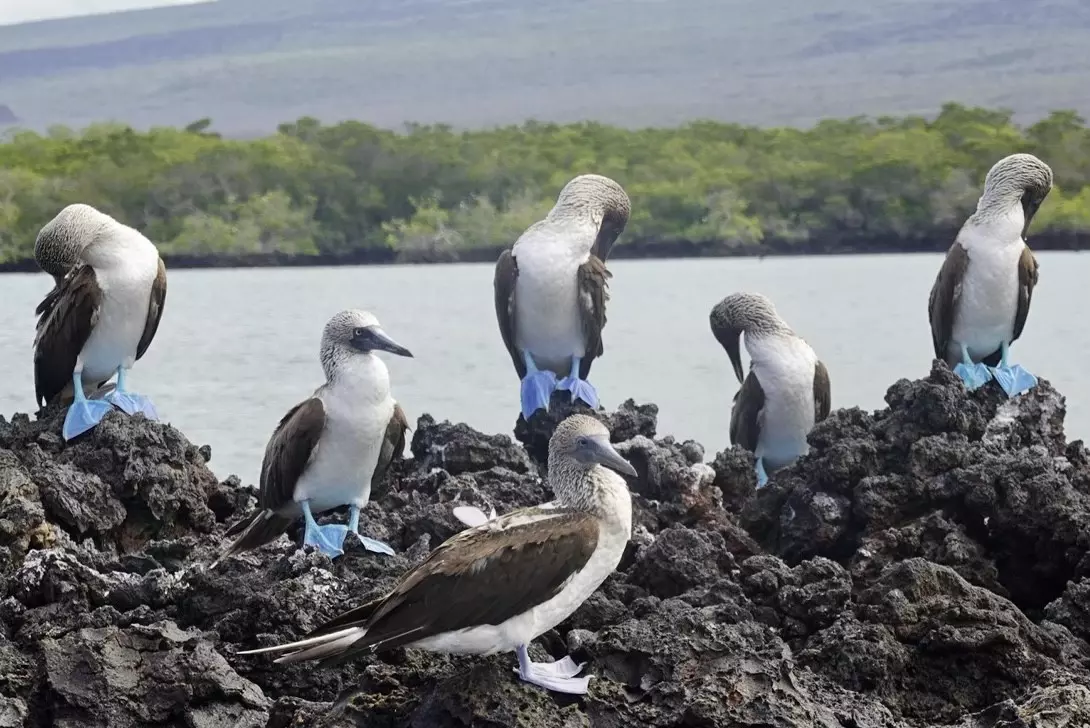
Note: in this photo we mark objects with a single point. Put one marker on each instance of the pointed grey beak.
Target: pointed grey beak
(605, 455)
(733, 346)
(374, 338)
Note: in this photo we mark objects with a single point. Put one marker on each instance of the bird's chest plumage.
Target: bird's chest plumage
(548, 321)
(344, 461)
(987, 299)
(785, 369)
(122, 316)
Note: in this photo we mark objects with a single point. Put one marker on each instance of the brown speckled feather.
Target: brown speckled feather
(507, 272)
(745, 415)
(483, 575)
(1027, 280)
(593, 294)
(823, 395)
(943, 302)
(67, 315)
(393, 447)
(155, 309)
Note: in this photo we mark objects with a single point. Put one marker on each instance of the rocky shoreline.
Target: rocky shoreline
(925, 565)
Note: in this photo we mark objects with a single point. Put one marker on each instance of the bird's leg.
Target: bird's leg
(328, 539)
(83, 413)
(537, 387)
(579, 388)
(975, 375)
(559, 676)
(129, 402)
(368, 543)
(1013, 379)
(762, 476)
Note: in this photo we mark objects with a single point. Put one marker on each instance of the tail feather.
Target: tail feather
(332, 647)
(355, 632)
(258, 529)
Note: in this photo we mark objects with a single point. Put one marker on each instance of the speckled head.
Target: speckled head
(751, 313)
(1018, 179)
(61, 240)
(354, 333)
(599, 198)
(578, 445)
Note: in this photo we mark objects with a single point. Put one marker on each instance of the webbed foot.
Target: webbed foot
(1014, 379)
(130, 403)
(762, 476)
(580, 389)
(975, 376)
(83, 414)
(537, 387)
(557, 676)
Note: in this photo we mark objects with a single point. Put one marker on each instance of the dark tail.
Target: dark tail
(257, 529)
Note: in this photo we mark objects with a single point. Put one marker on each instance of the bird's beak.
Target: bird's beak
(1029, 209)
(732, 344)
(375, 339)
(605, 455)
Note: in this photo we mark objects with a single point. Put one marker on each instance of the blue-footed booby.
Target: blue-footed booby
(787, 389)
(59, 242)
(980, 300)
(330, 449)
(551, 291)
(100, 318)
(499, 585)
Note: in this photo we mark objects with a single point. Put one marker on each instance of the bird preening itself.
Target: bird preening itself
(551, 291)
(100, 317)
(499, 585)
(329, 449)
(786, 390)
(981, 297)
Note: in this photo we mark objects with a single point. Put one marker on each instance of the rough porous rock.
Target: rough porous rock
(924, 565)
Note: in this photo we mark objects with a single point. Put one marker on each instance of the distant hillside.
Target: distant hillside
(249, 64)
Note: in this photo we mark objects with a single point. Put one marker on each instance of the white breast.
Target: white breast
(548, 323)
(784, 366)
(358, 408)
(988, 301)
(126, 294)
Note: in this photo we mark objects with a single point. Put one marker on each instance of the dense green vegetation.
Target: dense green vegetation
(252, 63)
(353, 191)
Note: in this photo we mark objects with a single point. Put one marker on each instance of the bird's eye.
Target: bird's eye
(358, 331)
(584, 442)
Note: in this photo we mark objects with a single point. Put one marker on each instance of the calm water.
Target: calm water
(237, 348)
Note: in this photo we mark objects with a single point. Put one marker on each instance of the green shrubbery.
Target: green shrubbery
(432, 192)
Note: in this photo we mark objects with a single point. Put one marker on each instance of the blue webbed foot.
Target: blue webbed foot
(762, 476)
(375, 545)
(1014, 379)
(537, 387)
(329, 539)
(975, 376)
(580, 389)
(82, 415)
(130, 403)
(559, 676)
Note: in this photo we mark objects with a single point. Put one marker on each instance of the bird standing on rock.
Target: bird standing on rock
(551, 291)
(328, 450)
(787, 389)
(499, 585)
(980, 300)
(101, 316)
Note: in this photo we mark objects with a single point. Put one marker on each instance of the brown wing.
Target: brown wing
(289, 451)
(393, 447)
(593, 294)
(507, 272)
(745, 415)
(66, 316)
(155, 309)
(481, 576)
(942, 304)
(823, 397)
(1027, 280)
